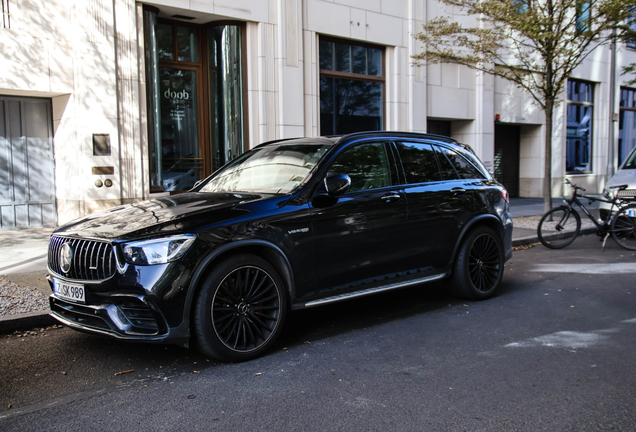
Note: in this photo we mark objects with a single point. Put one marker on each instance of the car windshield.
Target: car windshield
(630, 163)
(275, 168)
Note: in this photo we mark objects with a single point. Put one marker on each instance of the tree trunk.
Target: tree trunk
(547, 169)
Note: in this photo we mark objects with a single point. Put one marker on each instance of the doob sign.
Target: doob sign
(171, 94)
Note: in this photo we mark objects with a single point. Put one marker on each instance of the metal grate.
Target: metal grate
(92, 260)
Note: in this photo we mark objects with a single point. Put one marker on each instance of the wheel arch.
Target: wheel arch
(489, 220)
(268, 251)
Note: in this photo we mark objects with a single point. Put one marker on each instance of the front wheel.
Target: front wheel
(623, 227)
(240, 309)
(479, 265)
(559, 227)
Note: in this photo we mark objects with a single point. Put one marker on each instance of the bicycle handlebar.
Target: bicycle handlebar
(576, 187)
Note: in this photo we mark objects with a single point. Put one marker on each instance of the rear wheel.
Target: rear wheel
(559, 227)
(240, 309)
(479, 265)
(623, 227)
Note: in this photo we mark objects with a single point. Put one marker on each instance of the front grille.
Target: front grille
(92, 260)
(627, 193)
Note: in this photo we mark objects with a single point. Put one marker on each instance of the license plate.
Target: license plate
(69, 291)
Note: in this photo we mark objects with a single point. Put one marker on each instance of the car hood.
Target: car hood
(167, 215)
(624, 176)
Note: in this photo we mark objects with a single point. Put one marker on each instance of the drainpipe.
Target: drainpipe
(612, 102)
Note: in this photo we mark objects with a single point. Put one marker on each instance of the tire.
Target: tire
(559, 227)
(479, 266)
(240, 309)
(623, 227)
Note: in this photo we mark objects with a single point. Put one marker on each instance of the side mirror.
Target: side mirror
(337, 184)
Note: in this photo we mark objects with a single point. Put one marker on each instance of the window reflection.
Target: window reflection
(579, 127)
(349, 106)
(627, 124)
(367, 165)
(187, 44)
(419, 162)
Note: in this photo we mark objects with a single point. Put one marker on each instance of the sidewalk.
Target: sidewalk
(23, 255)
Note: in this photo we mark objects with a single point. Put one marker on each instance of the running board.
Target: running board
(369, 291)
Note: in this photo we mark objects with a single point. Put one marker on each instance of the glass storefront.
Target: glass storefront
(195, 99)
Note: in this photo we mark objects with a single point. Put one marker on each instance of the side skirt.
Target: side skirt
(375, 290)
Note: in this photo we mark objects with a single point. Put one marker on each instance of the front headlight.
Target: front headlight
(157, 251)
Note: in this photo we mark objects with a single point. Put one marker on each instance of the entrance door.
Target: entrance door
(507, 143)
(27, 167)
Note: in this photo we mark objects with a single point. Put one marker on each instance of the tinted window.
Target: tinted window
(367, 165)
(465, 169)
(419, 162)
(446, 167)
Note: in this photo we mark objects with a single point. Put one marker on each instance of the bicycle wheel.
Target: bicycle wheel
(623, 227)
(559, 227)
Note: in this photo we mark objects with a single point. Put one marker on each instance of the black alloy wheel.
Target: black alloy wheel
(240, 309)
(479, 266)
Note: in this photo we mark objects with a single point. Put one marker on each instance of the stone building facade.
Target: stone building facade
(104, 102)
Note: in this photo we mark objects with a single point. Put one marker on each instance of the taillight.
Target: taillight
(505, 195)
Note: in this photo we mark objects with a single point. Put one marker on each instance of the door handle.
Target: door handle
(390, 198)
(458, 191)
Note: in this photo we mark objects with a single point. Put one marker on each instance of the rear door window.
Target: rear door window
(418, 162)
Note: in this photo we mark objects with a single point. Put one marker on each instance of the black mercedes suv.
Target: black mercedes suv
(290, 224)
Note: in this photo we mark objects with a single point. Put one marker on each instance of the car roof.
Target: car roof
(330, 140)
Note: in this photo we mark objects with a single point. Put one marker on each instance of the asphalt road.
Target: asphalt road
(555, 350)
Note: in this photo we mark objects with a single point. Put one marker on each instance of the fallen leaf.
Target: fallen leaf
(124, 372)
(196, 372)
(9, 406)
(191, 396)
(258, 373)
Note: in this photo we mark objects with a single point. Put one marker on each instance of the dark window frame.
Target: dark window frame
(622, 110)
(591, 134)
(356, 76)
(583, 15)
(631, 23)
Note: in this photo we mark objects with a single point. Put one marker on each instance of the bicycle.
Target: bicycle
(566, 221)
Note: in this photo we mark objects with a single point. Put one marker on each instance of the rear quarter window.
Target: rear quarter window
(464, 168)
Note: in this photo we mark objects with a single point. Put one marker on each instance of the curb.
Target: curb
(24, 321)
(523, 241)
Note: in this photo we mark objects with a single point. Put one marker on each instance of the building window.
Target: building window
(626, 124)
(351, 87)
(580, 114)
(583, 15)
(631, 23)
(522, 5)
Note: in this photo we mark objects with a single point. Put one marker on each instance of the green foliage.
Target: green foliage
(630, 69)
(537, 46)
